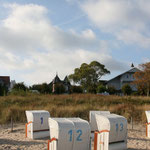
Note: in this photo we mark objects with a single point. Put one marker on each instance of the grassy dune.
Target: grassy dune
(74, 105)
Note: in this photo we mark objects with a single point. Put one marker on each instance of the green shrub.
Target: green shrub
(111, 90)
(126, 89)
(101, 89)
(20, 86)
(18, 92)
(76, 89)
(59, 89)
(3, 90)
(43, 88)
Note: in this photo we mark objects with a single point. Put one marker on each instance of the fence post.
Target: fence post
(11, 124)
(146, 145)
(132, 122)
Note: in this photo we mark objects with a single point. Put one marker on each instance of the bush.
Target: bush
(91, 89)
(76, 89)
(111, 90)
(59, 89)
(18, 92)
(101, 89)
(3, 90)
(135, 93)
(126, 89)
(43, 88)
(20, 86)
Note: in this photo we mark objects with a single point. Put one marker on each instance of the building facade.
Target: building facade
(125, 78)
(63, 84)
(5, 81)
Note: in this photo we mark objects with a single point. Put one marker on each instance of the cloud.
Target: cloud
(33, 49)
(131, 36)
(125, 19)
(30, 29)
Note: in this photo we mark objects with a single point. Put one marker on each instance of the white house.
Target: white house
(122, 79)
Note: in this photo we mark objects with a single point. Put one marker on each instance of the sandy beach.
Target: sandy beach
(16, 140)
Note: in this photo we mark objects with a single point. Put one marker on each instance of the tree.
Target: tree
(126, 89)
(20, 86)
(88, 75)
(43, 88)
(101, 89)
(142, 78)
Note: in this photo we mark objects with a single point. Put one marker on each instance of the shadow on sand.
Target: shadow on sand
(15, 142)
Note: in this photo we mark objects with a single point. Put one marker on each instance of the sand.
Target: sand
(16, 140)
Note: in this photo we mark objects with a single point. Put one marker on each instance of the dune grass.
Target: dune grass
(74, 105)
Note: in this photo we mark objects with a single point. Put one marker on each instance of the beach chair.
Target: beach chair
(37, 124)
(69, 134)
(112, 132)
(92, 119)
(148, 124)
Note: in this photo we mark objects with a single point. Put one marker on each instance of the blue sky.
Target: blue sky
(41, 37)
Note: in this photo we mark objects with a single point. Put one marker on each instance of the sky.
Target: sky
(39, 38)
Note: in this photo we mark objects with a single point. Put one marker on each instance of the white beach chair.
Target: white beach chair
(92, 118)
(37, 124)
(112, 132)
(148, 123)
(69, 134)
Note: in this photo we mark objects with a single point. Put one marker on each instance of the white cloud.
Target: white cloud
(131, 36)
(89, 34)
(118, 16)
(35, 49)
(32, 30)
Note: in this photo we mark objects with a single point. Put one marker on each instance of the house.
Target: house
(5, 81)
(124, 78)
(57, 82)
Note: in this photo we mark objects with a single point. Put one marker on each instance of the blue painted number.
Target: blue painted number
(70, 133)
(79, 136)
(121, 126)
(41, 120)
(117, 127)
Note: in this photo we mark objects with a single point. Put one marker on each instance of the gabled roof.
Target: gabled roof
(66, 80)
(133, 70)
(56, 79)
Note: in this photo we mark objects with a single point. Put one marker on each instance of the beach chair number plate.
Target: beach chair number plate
(79, 132)
(41, 120)
(117, 127)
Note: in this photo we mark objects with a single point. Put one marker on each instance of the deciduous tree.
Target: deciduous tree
(88, 75)
(142, 78)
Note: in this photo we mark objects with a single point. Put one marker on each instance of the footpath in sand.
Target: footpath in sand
(16, 140)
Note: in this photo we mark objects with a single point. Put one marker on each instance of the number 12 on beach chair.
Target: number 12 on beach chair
(69, 134)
